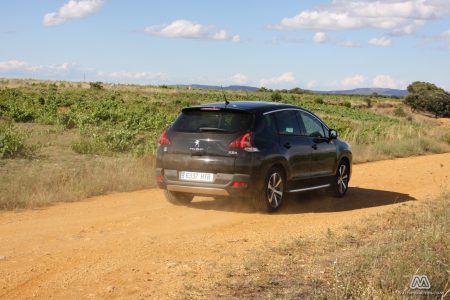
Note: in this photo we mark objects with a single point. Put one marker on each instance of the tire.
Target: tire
(178, 198)
(339, 186)
(273, 192)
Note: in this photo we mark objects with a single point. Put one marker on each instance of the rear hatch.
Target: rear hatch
(200, 139)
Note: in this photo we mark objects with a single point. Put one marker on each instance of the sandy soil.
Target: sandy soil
(137, 245)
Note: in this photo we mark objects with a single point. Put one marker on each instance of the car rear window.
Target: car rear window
(213, 121)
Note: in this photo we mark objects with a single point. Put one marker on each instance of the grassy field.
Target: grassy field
(375, 260)
(63, 141)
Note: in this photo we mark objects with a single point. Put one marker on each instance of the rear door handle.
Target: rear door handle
(314, 147)
(287, 145)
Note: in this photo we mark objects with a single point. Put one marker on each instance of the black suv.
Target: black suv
(256, 150)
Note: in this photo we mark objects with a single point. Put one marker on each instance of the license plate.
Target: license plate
(196, 176)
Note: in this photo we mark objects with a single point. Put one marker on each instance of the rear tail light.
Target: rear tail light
(244, 142)
(159, 178)
(164, 140)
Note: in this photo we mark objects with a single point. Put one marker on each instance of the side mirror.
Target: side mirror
(332, 133)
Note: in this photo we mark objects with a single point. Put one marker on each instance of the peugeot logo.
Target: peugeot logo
(196, 146)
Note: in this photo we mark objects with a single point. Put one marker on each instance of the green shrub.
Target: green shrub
(12, 143)
(67, 120)
(399, 112)
(318, 100)
(446, 138)
(98, 85)
(120, 140)
(21, 113)
(276, 97)
(347, 104)
(105, 141)
(87, 146)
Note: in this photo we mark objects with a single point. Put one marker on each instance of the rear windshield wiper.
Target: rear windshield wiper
(202, 129)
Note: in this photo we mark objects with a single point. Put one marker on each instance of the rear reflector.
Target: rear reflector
(159, 178)
(239, 184)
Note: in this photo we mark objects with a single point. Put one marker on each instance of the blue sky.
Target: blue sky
(323, 45)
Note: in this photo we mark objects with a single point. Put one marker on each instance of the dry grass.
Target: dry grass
(372, 260)
(405, 243)
(400, 141)
(57, 173)
(39, 184)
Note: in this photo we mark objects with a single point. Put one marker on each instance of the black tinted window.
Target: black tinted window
(266, 125)
(212, 121)
(287, 122)
(312, 126)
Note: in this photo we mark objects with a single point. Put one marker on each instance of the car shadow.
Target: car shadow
(311, 202)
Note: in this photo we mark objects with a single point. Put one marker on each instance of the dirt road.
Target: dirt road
(136, 245)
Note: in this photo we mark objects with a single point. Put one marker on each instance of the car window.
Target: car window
(287, 122)
(266, 125)
(219, 121)
(312, 126)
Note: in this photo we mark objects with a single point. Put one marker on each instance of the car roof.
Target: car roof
(248, 106)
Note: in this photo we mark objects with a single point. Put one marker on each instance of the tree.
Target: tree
(98, 85)
(276, 97)
(427, 96)
(263, 89)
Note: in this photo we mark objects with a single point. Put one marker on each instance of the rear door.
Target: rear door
(297, 148)
(323, 150)
(200, 140)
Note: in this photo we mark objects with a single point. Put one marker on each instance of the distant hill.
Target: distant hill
(360, 91)
(367, 92)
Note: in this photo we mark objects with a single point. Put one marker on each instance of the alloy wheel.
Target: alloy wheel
(342, 179)
(275, 190)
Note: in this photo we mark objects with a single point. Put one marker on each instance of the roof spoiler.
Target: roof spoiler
(213, 108)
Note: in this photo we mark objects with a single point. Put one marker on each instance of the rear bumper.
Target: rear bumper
(197, 190)
(222, 186)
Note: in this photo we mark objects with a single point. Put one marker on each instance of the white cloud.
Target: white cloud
(445, 37)
(393, 16)
(320, 37)
(283, 78)
(311, 84)
(355, 80)
(72, 10)
(239, 78)
(12, 65)
(72, 71)
(120, 75)
(380, 42)
(22, 66)
(386, 81)
(190, 30)
(347, 43)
